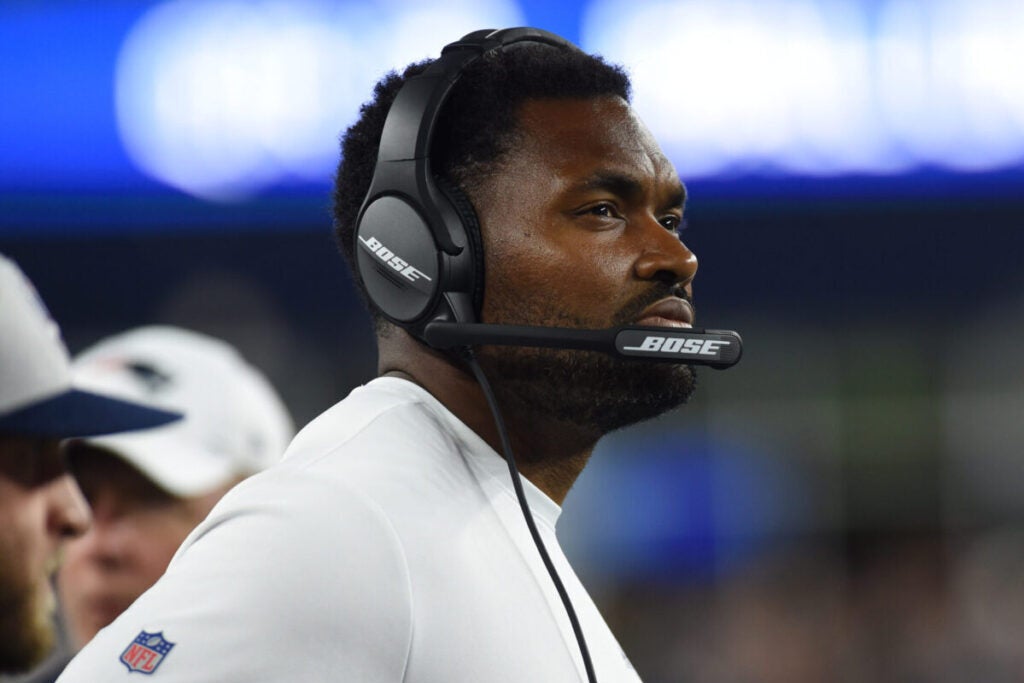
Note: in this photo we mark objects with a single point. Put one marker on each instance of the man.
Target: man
(389, 544)
(148, 490)
(40, 505)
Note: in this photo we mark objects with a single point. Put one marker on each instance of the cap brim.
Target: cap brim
(170, 459)
(82, 413)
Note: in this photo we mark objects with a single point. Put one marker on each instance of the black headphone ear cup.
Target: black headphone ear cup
(471, 226)
(397, 260)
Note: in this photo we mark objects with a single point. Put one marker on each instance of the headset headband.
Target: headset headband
(404, 156)
(417, 240)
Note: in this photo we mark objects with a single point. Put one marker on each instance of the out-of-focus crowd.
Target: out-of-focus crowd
(903, 608)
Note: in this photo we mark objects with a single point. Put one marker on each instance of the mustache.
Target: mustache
(632, 310)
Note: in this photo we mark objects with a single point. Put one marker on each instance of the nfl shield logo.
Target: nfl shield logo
(146, 652)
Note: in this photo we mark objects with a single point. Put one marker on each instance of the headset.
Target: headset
(419, 255)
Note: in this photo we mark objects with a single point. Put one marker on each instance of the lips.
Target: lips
(671, 312)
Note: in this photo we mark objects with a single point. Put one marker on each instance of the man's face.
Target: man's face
(137, 527)
(40, 506)
(579, 228)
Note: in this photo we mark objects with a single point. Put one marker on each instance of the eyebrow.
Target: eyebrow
(626, 186)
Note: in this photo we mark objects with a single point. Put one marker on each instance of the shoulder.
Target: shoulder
(378, 416)
(293, 530)
(256, 589)
(316, 545)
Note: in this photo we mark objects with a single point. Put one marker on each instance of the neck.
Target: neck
(551, 454)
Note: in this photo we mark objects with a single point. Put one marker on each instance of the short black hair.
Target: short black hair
(477, 125)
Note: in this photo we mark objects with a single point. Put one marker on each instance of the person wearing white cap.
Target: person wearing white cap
(41, 507)
(148, 490)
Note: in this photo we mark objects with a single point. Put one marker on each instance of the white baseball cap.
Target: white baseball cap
(234, 425)
(37, 393)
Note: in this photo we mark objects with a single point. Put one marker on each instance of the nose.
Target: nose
(665, 257)
(69, 515)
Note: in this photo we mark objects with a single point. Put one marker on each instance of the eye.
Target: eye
(604, 209)
(674, 223)
(600, 215)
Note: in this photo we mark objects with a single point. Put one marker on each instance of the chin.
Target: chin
(594, 391)
(27, 631)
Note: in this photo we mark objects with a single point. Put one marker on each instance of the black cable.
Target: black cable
(527, 514)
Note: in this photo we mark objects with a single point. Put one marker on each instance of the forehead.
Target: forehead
(97, 469)
(578, 136)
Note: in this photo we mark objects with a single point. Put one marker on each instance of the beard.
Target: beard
(595, 392)
(27, 632)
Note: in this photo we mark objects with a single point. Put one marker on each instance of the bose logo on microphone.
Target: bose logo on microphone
(700, 347)
(389, 258)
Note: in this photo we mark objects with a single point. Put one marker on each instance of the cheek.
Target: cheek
(581, 273)
(525, 286)
(538, 260)
(517, 228)
(161, 543)
(76, 553)
(24, 545)
(526, 268)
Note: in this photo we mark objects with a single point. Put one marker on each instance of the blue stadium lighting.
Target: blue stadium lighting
(823, 88)
(221, 99)
(225, 100)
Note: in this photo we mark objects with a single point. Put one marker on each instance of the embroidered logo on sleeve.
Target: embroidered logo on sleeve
(145, 653)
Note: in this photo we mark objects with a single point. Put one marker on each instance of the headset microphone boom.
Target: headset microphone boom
(716, 348)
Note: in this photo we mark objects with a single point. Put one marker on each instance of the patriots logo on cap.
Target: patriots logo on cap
(149, 375)
(146, 652)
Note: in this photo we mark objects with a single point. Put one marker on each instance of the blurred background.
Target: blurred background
(847, 504)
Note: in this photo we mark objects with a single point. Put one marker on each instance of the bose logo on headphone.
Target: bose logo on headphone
(702, 347)
(390, 258)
